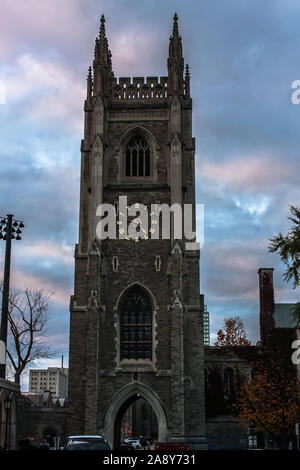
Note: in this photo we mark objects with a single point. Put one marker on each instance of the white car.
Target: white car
(135, 443)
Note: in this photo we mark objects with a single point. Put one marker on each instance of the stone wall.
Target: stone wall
(225, 432)
(8, 419)
(37, 422)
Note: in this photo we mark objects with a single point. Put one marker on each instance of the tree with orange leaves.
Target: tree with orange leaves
(270, 399)
(234, 333)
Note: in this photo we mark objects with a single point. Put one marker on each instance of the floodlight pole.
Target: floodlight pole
(5, 291)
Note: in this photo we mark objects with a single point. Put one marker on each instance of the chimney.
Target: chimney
(266, 304)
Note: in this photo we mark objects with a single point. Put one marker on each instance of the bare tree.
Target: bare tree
(28, 315)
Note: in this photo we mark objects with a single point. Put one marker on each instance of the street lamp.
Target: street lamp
(7, 403)
(9, 230)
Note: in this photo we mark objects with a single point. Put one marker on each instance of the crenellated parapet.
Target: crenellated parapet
(140, 88)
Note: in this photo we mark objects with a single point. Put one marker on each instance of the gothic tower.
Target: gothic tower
(136, 324)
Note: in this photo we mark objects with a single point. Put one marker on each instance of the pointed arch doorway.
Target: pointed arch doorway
(121, 401)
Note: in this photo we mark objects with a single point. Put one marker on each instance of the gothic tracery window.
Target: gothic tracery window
(136, 324)
(228, 383)
(137, 157)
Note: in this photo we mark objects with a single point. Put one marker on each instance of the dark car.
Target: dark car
(86, 443)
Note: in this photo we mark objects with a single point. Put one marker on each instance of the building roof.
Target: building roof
(282, 316)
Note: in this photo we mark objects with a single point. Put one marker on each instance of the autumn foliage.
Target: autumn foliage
(234, 334)
(270, 399)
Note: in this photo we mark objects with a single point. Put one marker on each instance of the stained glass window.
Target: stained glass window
(137, 157)
(136, 324)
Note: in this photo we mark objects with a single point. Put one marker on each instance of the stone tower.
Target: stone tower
(136, 324)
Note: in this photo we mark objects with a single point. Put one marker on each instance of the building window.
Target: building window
(136, 324)
(228, 383)
(115, 264)
(137, 157)
(157, 263)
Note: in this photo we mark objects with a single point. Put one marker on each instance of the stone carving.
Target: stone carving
(176, 150)
(175, 115)
(98, 117)
(97, 147)
(132, 115)
(139, 89)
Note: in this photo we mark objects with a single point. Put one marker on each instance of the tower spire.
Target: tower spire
(187, 81)
(102, 61)
(175, 60)
(102, 26)
(103, 44)
(175, 25)
(89, 86)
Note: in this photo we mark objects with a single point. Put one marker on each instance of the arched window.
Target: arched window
(228, 383)
(137, 157)
(136, 324)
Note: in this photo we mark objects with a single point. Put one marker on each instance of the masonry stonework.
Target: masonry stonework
(102, 383)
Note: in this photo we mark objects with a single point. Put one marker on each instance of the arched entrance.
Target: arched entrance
(122, 400)
(135, 418)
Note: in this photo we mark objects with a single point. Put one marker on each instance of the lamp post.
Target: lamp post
(9, 229)
(7, 403)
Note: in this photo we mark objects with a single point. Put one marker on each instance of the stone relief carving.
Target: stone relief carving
(176, 150)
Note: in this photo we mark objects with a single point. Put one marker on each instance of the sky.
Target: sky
(243, 57)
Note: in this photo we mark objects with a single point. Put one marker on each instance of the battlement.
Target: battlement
(140, 88)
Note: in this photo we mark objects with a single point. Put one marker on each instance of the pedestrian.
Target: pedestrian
(44, 445)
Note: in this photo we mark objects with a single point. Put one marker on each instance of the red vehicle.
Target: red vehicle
(171, 446)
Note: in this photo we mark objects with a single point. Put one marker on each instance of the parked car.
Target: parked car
(145, 443)
(135, 443)
(86, 443)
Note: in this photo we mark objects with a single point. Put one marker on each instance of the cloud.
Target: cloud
(49, 250)
(44, 90)
(22, 280)
(247, 172)
(253, 206)
(48, 25)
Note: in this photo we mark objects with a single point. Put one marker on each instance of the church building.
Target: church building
(136, 327)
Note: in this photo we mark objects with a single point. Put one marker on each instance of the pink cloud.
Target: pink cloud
(44, 249)
(34, 22)
(241, 255)
(127, 58)
(49, 90)
(20, 280)
(247, 172)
